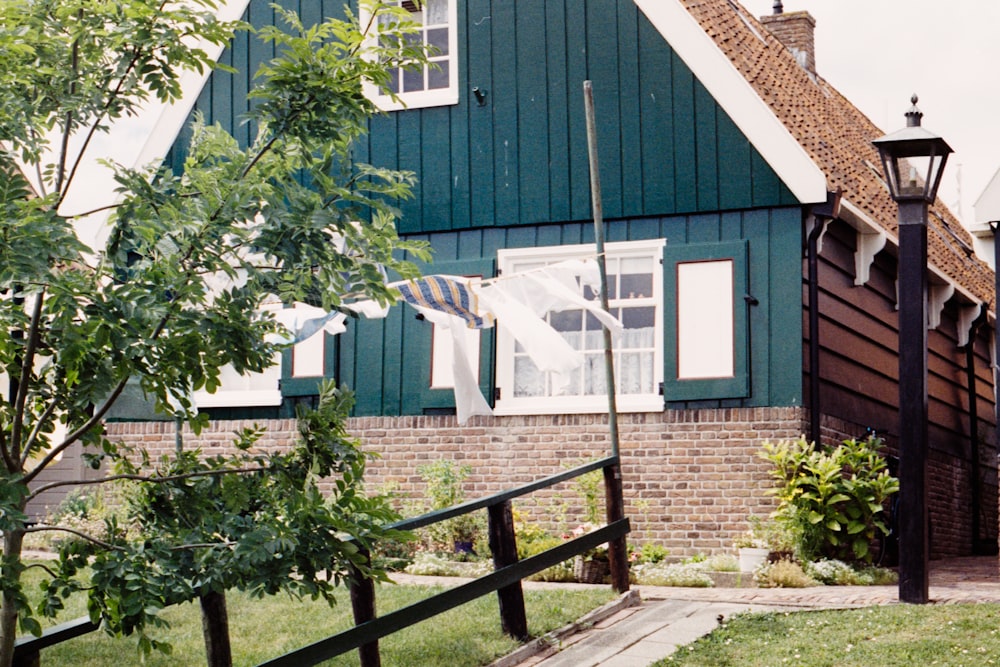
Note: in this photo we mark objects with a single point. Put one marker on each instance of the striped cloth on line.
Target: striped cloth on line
(448, 294)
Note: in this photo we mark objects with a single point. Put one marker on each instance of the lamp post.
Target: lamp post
(913, 160)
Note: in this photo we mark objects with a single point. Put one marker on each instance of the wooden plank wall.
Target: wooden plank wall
(858, 363)
(666, 147)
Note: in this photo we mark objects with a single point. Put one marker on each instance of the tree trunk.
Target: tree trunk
(8, 607)
(215, 629)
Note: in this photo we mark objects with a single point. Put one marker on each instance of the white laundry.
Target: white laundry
(469, 400)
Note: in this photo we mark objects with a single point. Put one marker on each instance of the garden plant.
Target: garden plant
(832, 498)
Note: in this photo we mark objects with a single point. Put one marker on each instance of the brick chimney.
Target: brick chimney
(795, 30)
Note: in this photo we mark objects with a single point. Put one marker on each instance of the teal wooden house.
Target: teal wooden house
(719, 147)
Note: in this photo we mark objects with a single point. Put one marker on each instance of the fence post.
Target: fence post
(504, 547)
(617, 550)
(29, 660)
(363, 604)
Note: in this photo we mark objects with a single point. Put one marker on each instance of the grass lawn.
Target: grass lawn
(263, 629)
(894, 636)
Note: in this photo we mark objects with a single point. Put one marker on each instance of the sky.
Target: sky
(878, 53)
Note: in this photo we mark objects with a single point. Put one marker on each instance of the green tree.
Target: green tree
(174, 293)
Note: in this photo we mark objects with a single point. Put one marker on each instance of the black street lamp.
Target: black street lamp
(913, 160)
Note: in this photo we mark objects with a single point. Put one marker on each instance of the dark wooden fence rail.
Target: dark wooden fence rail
(505, 580)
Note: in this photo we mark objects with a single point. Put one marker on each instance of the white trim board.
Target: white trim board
(738, 98)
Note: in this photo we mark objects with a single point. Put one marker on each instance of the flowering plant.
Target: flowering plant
(599, 552)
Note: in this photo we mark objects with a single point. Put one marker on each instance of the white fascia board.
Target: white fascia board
(738, 98)
(170, 119)
(864, 224)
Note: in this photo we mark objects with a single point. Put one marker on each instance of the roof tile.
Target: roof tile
(835, 134)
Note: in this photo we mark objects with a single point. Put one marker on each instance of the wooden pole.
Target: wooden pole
(503, 544)
(914, 548)
(363, 606)
(614, 499)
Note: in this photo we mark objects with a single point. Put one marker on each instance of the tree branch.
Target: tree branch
(68, 130)
(73, 531)
(152, 479)
(203, 545)
(77, 434)
(42, 566)
(27, 362)
(33, 436)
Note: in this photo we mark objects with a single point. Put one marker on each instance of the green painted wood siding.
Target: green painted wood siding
(665, 146)
(396, 350)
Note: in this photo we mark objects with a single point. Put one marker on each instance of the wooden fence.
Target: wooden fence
(505, 580)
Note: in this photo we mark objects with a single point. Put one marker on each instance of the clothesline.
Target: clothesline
(516, 302)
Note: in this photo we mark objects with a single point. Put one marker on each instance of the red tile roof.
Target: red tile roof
(835, 134)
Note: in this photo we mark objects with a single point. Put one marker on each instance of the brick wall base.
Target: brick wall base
(691, 478)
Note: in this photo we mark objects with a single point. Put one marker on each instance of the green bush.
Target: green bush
(832, 498)
(782, 574)
(559, 572)
(839, 573)
(444, 489)
(651, 552)
(676, 574)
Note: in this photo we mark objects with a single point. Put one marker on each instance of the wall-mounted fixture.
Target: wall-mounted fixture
(480, 96)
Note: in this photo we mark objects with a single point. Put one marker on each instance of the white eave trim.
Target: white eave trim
(863, 224)
(738, 98)
(170, 119)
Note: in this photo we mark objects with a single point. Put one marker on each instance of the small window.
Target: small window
(705, 286)
(435, 84)
(634, 297)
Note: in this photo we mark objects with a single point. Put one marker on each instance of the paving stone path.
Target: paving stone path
(666, 618)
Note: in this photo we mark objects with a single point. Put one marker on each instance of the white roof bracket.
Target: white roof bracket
(868, 244)
(937, 296)
(966, 316)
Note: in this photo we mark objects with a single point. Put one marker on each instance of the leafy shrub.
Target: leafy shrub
(838, 573)
(444, 489)
(430, 564)
(721, 563)
(560, 572)
(782, 574)
(662, 574)
(93, 512)
(832, 498)
(527, 531)
(651, 552)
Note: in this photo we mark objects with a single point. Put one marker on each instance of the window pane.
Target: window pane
(596, 375)
(438, 39)
(393, 81)
(633, 373)
(436, 11)
(636, 278)
(528, 380)
(567, 320)
(413, 80)
(705, 326)
(638, 318)
(437, 76)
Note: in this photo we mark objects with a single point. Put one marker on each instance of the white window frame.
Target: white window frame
(508, 404)
(423, 98)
